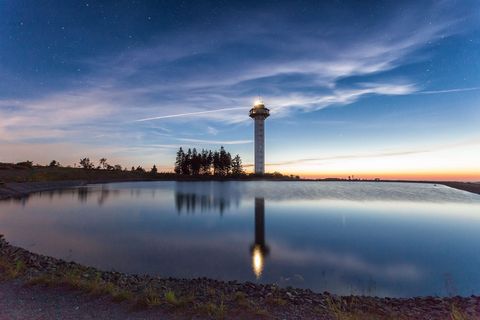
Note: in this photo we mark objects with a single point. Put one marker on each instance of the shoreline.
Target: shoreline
(211, 298)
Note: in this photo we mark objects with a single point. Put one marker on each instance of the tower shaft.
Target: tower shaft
(259, 145)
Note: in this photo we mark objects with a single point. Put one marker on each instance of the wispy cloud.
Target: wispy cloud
(218, 142)
(381, 154)
(189, 114)
(449, 90)
(344, 261)
(212, 130)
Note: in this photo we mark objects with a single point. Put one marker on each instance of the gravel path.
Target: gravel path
(36, 302)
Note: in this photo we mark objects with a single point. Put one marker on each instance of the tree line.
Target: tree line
(208, 162)
(199, 165)
(86, 163)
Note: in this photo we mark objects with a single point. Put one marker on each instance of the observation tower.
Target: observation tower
(259, 113)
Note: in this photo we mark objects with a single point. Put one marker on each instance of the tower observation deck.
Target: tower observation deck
(259, 113)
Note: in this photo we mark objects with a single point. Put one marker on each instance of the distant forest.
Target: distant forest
(208, 162)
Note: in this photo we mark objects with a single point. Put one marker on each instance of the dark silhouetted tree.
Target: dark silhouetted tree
(54, 163)
(103, 163)
(216, 163)
(179, 161)
(224, 162)
(195, 162)
(237, 168)
(154, 170)
(206, 161)
(86, 163)
(26, 164)
(186, 162)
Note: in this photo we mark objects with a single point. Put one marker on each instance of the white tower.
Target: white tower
(259, 113)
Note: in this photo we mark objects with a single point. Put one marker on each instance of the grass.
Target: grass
(73, 279)
(171, 298)
(457, 314)
(149, 298)
(9, 270)
(341, 309)
(241, 299)
(213, 310)
(275, 301)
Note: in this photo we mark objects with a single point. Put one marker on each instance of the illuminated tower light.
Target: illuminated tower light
(259, 113)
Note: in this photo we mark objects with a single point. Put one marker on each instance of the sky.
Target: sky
(387, 89)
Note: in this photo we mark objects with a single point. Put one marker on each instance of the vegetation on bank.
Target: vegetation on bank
(37, 173)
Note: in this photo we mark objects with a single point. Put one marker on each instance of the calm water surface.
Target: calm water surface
(394, 239)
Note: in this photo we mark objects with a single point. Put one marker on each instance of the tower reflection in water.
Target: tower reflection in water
(191, 200)
(259, 248)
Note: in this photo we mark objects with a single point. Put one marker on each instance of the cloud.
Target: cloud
(449, 90)
(212, 130)
(393, 153)
(199, 80)
(224, 142)
(189, 114)
(177, 76)
(52, 116)
(345, 262)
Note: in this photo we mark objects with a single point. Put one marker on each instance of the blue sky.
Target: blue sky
(365, 88)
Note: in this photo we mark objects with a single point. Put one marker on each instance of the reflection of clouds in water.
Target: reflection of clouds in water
(343, 262)
(234, 191)
(355, 191)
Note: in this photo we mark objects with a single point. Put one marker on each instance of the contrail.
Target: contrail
(216, 141)
(448, 90)
(188, 114)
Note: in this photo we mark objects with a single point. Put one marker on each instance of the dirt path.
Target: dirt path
(36, 302)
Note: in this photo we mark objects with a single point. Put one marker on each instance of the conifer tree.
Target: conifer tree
(206, 161)
(154, 170)
(237, 168)
(204, 164)
(216, 163)
(179, 161)
(186, 162)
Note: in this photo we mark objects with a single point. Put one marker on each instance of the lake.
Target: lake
(371, 238)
